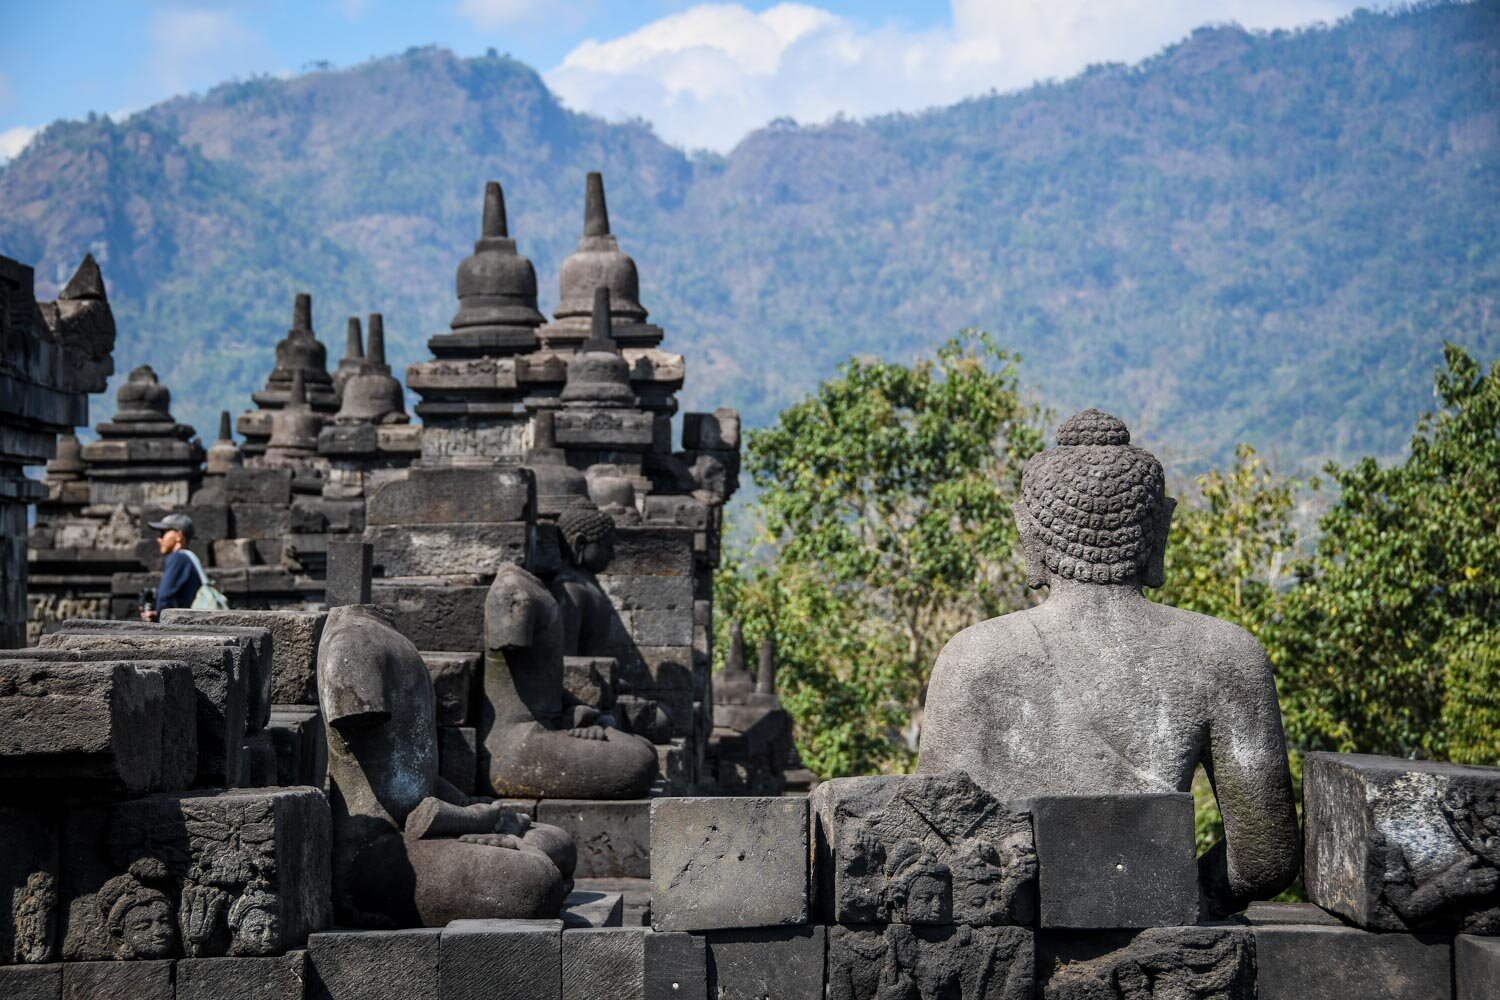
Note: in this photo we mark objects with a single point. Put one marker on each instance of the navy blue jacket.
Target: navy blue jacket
(179, 582)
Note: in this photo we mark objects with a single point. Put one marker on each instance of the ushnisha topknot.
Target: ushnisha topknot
(1095, 505)
(581, 525)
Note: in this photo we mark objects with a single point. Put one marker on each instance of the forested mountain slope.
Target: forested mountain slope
(1260, 237)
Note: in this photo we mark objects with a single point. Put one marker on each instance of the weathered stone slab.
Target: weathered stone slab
(1403, 844)
(930, 963)
(648, 593)
(280, 977)
(428, 549)
(31, 982)
(676, 966)
(1115, 861)
(348, 576)
(921, 849)
(296, 732)
(258, 485)
(1202, 963)
(615, 430)
(613, 838)
(651, 551)
(85, 725)
(437, 616)
(755, 964)
(428, 496)
(501, 960)
(604, 962)
(294, 645)
(260, 520)
(583, 908)
(1476, 962)
(454, 675)
(1319, 962)
(728, 862)
(374, 965)
(117, 981)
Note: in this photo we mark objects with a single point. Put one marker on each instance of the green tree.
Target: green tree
(885, 497)
(1391, 645)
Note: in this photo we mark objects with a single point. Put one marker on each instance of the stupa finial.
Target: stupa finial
(302, 312)
(595, 211)
(375, 352)
(225, 433)
(494, 211)
(601, 326)
(354, 348)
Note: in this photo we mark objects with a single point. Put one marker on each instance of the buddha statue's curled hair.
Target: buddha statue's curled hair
(1096, 506)
(581, 525)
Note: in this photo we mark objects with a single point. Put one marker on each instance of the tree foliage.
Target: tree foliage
(886, 499)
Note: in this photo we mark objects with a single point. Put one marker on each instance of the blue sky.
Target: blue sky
(704, 74)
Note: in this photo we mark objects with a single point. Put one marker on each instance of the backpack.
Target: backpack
(207, 598)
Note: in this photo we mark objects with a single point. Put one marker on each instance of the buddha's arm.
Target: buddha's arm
(934, 746)
(1262, 847)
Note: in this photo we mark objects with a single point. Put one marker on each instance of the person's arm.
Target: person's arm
(177, 574)
(1262, 847)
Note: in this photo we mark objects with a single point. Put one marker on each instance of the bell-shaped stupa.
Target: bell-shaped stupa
(299, 351)
(597, 374)
(497, 311)
(372, 395)
(294, 430)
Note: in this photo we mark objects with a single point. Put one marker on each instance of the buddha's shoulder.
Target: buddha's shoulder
(1212, 637)
(1004, 638)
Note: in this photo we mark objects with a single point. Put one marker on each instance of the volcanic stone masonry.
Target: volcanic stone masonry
(458, 736)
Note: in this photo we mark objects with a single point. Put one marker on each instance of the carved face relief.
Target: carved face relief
(148, 930)
(257, 929)
(928, 899)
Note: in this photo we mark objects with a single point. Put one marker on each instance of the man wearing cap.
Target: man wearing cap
(180, 577)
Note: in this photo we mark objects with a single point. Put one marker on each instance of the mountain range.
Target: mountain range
(1259, 237)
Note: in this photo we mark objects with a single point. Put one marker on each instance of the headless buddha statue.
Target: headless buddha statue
(529, 749)
(410, 849)
(1101, 691)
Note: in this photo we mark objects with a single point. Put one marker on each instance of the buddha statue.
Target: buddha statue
(410, 849)
(530, 747)
(588, 539)
(1100, 691)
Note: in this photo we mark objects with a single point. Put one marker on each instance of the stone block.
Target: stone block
(350, 566)
(583, 908)
(258, 485)
(233, 553)
(651, 551)
(296, 732)
(219, 680)
(720, 429)
(676, 966)
(31, 982)
(604, 962)
(210, 521)
(117, 981)
(260, 765)
(657, 668)
(1403, 844)
(1120, 861)
(613, 838)
(1476, 967)
(458, 757)
(279, 977)
(1199, 962)
(662, 628)
(85, 726)
(728, 862)
(487, 494)
(29, 875)
(784, 962)
(1320, 962)
(431, 549)
(921, 849)
(437, 615)
(259, 520)
(374, 965)
(930, 963)
(294, 645)
(454, 676)
(228, 855)
(501, 960)
(648, 593)
(612, 430)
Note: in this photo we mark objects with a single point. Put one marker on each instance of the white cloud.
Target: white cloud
(707, 75)
(13, 140)
(193, 48)
(487, 15)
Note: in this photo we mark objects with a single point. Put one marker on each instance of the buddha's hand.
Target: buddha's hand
(1468, 876)
(513, 823)
(504, 840)
(201, 913)
(589, 733)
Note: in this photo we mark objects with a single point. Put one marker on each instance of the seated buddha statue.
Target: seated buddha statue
(1099, 690)
(410, 849)
(530, 746)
